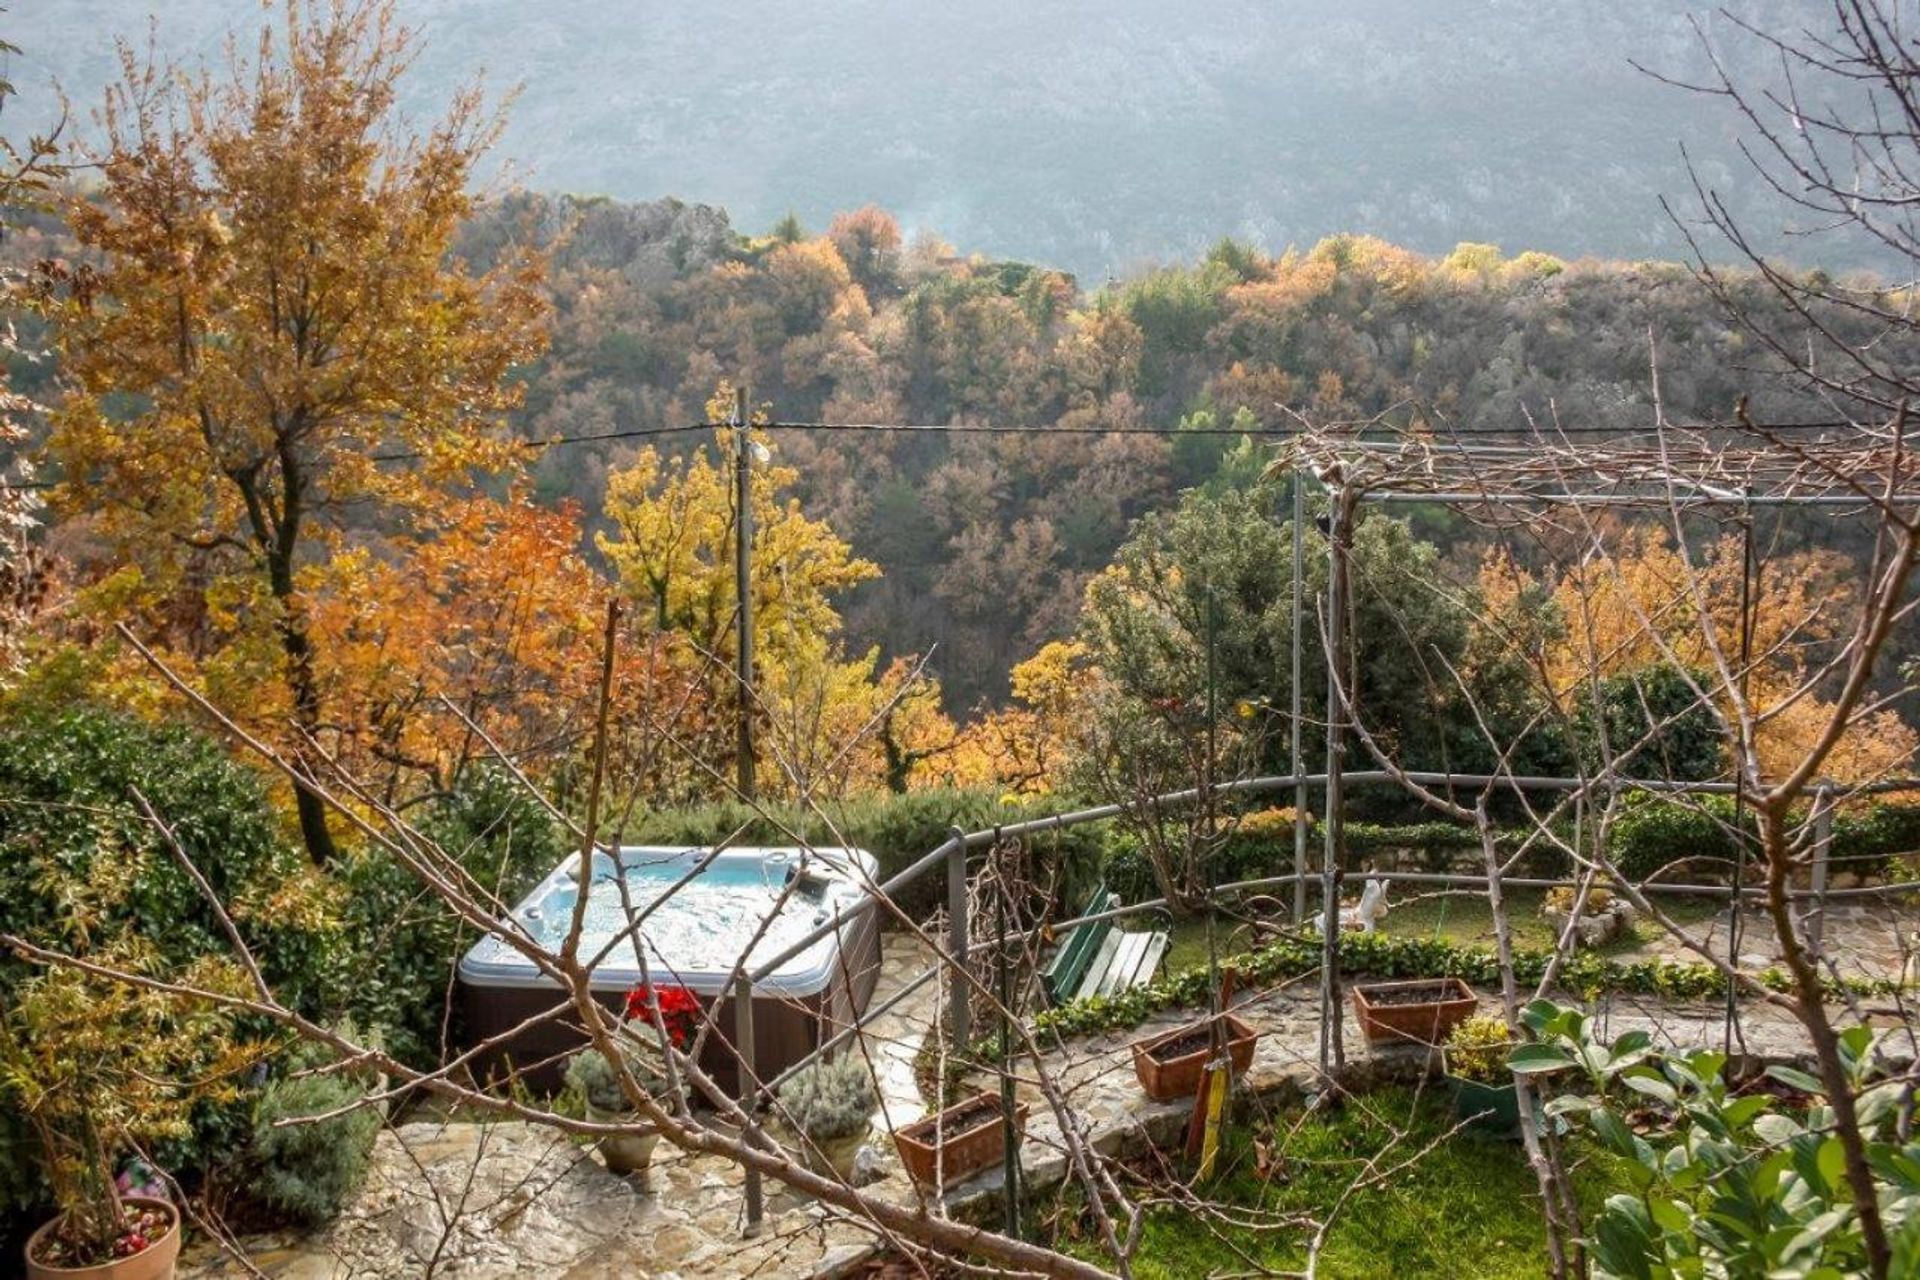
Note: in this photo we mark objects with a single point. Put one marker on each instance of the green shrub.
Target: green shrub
(1264, 850)
(406, 941)
(833, 1099)
(1477, 1049)
(1865, 840)
(1652, 831)
(1383, 955)
(309, 1172)
(83, 870)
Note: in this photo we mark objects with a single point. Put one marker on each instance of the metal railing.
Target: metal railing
(951, 854)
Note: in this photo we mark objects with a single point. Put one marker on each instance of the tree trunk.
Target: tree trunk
(1812, 1010)
(298, 649)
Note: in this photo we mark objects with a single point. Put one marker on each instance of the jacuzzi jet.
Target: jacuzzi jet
(812, 883)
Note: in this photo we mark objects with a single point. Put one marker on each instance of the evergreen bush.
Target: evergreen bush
(831, 1099)
(309, 1172)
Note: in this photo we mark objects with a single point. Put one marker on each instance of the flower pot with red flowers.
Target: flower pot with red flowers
(95, 1072)
(1169, 1064)
(635, 1062)
(1420, 1012)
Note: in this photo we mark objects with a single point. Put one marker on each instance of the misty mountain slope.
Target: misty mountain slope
(1094, 136)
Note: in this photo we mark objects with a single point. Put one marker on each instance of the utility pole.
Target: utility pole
(743, 588)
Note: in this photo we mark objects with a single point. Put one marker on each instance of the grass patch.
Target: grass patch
(1468, 1207)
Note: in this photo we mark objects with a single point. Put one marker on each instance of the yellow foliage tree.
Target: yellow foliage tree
(672, 547)
(1023, 748)
(275, 315)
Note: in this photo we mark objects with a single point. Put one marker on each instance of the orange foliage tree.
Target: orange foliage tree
(1651, 604)
(276, 347)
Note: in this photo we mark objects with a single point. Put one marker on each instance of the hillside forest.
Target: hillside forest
(992, 494)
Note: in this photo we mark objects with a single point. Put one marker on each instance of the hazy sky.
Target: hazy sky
(1092, 134)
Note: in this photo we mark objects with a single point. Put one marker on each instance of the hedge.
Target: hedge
(1263, 852)
(1380, 955)
(1653, 831)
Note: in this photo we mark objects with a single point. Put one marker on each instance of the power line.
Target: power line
(591, 437)
(989, 429)
(974, 428)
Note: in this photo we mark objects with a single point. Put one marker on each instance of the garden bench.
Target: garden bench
(1097, 958)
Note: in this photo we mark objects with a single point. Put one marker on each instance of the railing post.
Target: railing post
(958, 1002)
(1822, 850)
(746, 1088)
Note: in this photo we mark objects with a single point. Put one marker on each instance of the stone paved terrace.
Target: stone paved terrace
(498, 1200)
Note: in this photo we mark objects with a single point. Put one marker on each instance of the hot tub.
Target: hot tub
(693, 939)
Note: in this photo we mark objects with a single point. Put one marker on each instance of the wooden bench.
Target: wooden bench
(1096, 958)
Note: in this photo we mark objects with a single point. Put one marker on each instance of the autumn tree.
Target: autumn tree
(868, 239)
(275, 346)
(26, 173)
(671, 545)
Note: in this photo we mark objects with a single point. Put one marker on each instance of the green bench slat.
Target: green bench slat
(1099, 959)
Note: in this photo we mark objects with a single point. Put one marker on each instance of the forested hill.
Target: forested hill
(987, 543)
(1096, 135)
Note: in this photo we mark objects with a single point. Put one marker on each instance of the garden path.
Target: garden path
(498, 1200)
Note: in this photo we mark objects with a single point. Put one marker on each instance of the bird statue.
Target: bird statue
(1362, 917)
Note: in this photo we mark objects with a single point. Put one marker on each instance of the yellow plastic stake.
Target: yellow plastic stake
(1216, 1108)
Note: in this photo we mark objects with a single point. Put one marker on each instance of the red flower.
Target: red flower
(679, 1009)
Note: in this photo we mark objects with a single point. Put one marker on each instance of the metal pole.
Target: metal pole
(1822, 850)
(743, 588)
(1011, 1157)
(1333, 1053)
(745, 1089)
(958, 1015)
(1212, 798)
(1299, 788)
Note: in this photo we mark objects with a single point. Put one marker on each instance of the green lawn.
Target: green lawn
(1467, 1207)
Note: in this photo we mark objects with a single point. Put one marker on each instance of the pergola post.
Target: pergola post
(1339, 713)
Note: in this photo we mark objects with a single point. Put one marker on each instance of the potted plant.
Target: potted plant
(1169, 1064)
(830, 1106)
(595, 1077)
(953, 1145)
(96, 1072)
(1422, 1011)
(1474, 1061)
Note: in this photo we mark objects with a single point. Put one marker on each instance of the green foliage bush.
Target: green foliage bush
(1382, 955)
(1653, 831)
(1257, 855)
(81, 869)
(1659, 709)
(832, 1099)
(405, 941)
(309, 1172)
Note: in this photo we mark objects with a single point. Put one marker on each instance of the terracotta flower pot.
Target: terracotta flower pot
(1170, 1064)
(955, 1144)
(155, 1262)
(1423, 1011)
(623, 1153)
